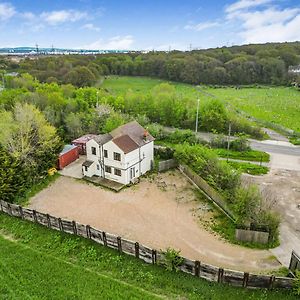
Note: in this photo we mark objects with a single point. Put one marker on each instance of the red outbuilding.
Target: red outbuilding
(81, 142)
(69, 154)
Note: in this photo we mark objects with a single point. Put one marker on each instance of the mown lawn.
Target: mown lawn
(278, 105)
(37, 263)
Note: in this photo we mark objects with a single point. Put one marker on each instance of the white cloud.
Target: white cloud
(201, 26)
(91, 26)
(114, 43)
(6, 11)
(29, 16)
(245, 4)
(260, 23)
(61, 16)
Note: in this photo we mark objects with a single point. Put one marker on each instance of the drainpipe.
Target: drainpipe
(140, 161)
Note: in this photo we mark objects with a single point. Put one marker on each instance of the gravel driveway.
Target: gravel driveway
(157, 212)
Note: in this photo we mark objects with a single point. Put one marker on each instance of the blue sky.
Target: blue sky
(146, 24)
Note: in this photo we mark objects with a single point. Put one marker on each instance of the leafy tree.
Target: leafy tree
(28, 137)
(80, 76)
(14, 178)
(213, 116)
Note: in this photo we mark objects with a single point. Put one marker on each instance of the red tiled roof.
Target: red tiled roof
(125, 143)
(135, 131)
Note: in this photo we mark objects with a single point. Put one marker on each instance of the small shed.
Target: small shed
(69, 154)
(81, 142)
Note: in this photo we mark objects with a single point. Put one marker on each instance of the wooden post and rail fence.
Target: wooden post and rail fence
(148, 255)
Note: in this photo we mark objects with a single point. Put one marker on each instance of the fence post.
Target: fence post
(1, 205)
(271, 282)
(88, 231)
(154, 257)
(48, 221)
(74, 227)
(21, 212)
(34, 216)
(220, 275)
(197, 268)
(60, 224)
(119, 244)
(104, 238)
(137, 250)
(9, 209)
(245, 279)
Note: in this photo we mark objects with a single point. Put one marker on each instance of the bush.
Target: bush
(240, 144)
(157, 131)
(182, 136)
(219, 141)
(172, 259)
(164, 152)
(206, 164)
(249, 207)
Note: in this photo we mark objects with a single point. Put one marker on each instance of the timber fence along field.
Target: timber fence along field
(148, 255)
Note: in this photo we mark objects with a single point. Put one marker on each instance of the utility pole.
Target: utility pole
(197, 116)
(228, 140)
(37, 48)
(97, 105)
(191, 47)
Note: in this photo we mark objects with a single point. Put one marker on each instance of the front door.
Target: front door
(132, 173)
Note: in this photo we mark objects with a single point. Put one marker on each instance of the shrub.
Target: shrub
(172, 259)
(206, 164)
(164, 152)
(240, 144)
(157, 131)
(219, 141)
(249, 207)
(182, 136)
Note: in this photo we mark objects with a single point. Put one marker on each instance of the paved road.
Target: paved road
(270, 146)
(275, 147)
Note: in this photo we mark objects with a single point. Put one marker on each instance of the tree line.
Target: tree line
(238, 65)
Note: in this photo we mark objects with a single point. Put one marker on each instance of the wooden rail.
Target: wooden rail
(148, 255)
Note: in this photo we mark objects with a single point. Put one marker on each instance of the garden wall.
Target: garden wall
(167, 165)
(148, 255)
(252, 236)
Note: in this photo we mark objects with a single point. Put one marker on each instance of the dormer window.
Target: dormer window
(93, 150)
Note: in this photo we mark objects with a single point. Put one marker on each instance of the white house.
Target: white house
(122, 155)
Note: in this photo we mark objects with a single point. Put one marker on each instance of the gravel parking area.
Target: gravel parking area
(158, 212)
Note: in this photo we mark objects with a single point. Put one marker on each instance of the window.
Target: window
(86, 168)
(117, 156)
(117, 172)
(93, 150)
(105, 153)
(98, 167)
(107, 169)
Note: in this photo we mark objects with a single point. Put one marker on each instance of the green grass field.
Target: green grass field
(38, 263)
(278, 105)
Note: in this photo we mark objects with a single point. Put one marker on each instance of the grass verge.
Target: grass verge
(251, 155)
(249, 168)
(38, 263)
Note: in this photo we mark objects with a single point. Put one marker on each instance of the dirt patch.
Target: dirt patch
(161, 211)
